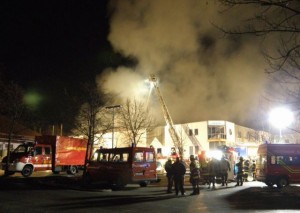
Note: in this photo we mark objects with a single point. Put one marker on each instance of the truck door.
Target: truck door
(144, 166)
(42, 158)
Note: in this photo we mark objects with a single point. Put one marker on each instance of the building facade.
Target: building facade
(196, 137)
(207, 136)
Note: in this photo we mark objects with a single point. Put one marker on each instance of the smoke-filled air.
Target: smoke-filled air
(202, 74)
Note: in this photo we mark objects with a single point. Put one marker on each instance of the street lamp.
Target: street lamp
(281, 118)
(113, 121)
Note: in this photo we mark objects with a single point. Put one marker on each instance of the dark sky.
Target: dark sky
(53, 39)
(51, 47)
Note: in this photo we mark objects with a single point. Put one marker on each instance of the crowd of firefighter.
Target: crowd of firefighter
(207, 171)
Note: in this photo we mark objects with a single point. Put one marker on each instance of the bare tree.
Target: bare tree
(134, 121)
(277, 22)
(279, 18)
(12, 107)
(181, 143)
(91, 122)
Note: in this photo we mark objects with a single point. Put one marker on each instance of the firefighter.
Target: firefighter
(213, 170)
(253, 169)
(239, 172)
(204, 167)
(246, 168)
(178, 169)
(225, 167)
(194, 175)
(168, 168)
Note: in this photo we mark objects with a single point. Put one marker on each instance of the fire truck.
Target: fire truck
(56, 153)
(278, 164)
(121, 166)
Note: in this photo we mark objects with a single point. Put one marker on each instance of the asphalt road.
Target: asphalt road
(44, 192)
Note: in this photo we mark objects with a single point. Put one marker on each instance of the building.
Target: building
(196, 137)
(206, 136)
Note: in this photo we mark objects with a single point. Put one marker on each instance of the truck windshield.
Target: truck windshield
(262, 161)
(24, 148)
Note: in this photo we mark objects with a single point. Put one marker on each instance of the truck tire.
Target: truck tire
(72, 170)
(27, 171)
(282, 182)
(269, 184)
(118, 184)
(144, 184)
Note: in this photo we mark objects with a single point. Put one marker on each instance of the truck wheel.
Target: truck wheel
(282, 182)
(27, 171)
(144, 184)
(72, 170)
(118, 184)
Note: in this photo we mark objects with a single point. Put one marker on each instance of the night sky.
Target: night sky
(51, 47)
(53, 40)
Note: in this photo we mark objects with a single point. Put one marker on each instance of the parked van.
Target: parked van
(121, 166)
(278, 164)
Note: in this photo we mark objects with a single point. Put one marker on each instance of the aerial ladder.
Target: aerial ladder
(168, 119)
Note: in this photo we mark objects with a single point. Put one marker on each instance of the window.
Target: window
(285, 160)
(190, 132)
(95, 156)
(191, 150)
(20, 149)
(149, 156)
(158, 150)
(248, 136)
(138, 157)
(196, 131)
(47, 151)
(38, 150)
(125, 157)
(273, 160)
(239, 134)
(262, 161)
(197, 150)
(116, 158)
(216, 132)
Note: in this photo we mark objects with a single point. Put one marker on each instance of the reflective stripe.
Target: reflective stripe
(41, 165)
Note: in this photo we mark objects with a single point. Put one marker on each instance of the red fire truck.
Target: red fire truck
(121, 166)
(56, 153)
(278, 164)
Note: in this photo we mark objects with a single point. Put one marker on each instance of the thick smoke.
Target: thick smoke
(202, 75)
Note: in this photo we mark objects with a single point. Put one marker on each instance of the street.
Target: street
(46, 193)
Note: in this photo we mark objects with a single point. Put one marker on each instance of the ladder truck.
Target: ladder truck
(168, 119)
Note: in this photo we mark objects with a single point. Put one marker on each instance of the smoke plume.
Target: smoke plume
(202, 75)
